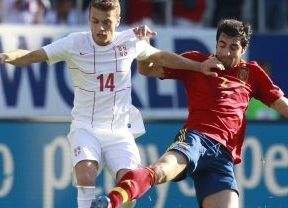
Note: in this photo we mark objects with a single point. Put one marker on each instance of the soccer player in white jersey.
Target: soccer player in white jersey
(103, 117)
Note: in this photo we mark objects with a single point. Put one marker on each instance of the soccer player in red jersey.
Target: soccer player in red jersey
(209, 145)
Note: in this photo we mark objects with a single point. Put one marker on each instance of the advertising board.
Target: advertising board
(35, 167)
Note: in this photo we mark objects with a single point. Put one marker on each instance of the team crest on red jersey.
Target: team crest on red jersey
(243, 73)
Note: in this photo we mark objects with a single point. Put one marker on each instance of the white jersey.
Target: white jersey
(102, 78)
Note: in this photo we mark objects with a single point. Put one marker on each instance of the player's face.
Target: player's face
(229, 50)
(103, 25)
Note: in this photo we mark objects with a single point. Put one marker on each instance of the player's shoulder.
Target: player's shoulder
(253, 65)
(79, 39)
(256, 67)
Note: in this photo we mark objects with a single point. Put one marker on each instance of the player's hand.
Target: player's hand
(3, 57)
(144, 32)
(210, 66)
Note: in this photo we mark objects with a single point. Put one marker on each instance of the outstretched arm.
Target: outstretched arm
(152, 65)
(161, 59)
(281, 105)
(149, 69)
(22, 57)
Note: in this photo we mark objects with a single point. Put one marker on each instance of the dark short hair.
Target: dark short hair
(235, 28)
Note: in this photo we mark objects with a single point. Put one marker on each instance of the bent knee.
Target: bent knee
(86, 172)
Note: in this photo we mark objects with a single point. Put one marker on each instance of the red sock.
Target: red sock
(132, 185)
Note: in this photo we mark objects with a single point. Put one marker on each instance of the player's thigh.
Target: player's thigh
(84, 147)
(222, 199)
(121, 154)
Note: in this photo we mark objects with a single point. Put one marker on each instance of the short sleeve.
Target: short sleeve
(57, 51)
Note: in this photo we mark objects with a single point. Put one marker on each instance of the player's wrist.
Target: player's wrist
(3, 58)
(201, 67)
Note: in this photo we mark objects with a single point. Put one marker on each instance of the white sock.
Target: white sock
(85, 196)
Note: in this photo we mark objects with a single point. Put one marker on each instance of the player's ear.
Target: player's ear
(244, 49)
(118, 21)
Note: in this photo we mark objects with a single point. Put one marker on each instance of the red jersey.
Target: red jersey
(217, 105)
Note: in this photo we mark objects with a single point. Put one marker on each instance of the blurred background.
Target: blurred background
(35, 101)
(264, 15)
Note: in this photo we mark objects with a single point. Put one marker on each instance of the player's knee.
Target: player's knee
(86, 172)
(161, 172)
(85, 180)
(168, 172)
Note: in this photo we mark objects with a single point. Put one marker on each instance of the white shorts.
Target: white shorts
(114, 151)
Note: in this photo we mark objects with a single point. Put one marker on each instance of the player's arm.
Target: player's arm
(158, 59)
(175, 61)
(171, 60)
(150, 69)
(23, 57)
(281, 105)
